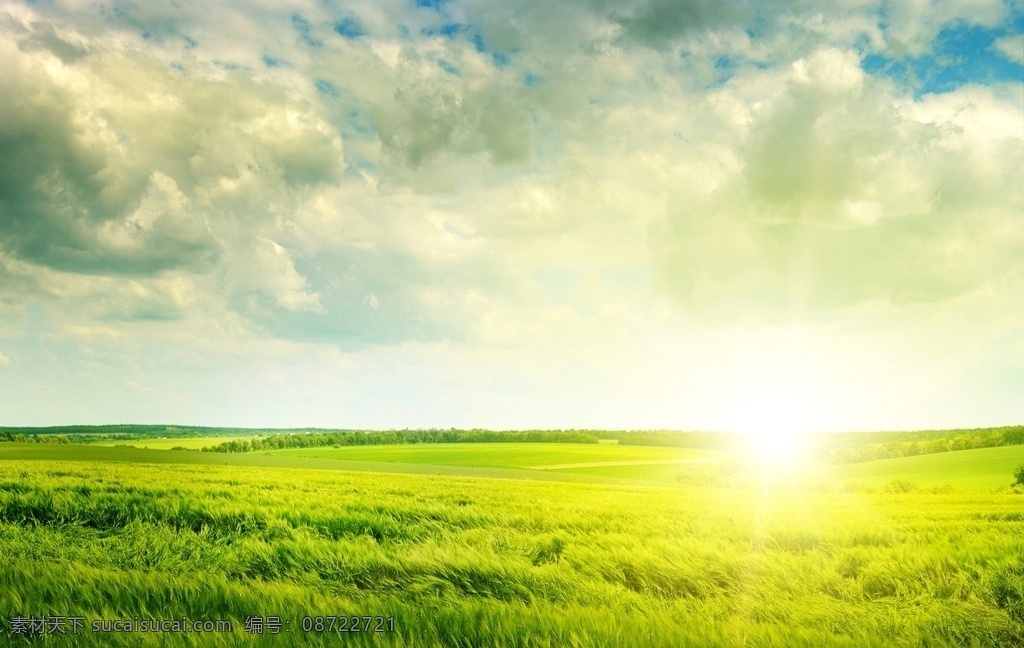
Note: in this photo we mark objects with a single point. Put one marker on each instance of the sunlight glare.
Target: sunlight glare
(773, 428)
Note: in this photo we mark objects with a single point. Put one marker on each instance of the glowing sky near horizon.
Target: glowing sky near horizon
(639, 214)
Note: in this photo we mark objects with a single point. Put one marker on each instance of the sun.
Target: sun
(776, 449)
(773, 427)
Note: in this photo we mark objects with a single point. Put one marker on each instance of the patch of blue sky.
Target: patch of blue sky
(757, 28)
(448, 30)
(725, 63)
(305, 30)
(355, 167)
(531, 80)
(229, 66)
(962, 54)
(454, 31)
(455, 230)
(353, 122)
(359, 122)
(1015, 24)
(883, 15)
(725, 68)
(501, 59)
(349, 28)
(326, 88)
(448, 67)
(862, 44)
(270, 61)
(431, 4)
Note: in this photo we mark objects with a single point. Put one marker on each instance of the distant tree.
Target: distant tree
(1018, 474)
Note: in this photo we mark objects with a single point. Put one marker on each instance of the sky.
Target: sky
(425, 213)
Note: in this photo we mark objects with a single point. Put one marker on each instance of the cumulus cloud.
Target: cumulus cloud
(913, 26)
(841, 195)
(428, 121)
(170, 150)
(266, 272)
(1012, 47)
(146, 160)
(660, 22)
(118, 163)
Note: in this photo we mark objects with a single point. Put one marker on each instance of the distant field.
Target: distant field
(503, 455)
(982, 469)
(129, 455)
(192, 443)
(662, 473)
(973, 470)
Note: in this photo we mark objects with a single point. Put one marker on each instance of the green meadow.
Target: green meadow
(981, 469)
(541, 456)
(481, 544)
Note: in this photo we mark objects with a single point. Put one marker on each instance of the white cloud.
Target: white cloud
(267, 269)
(1012, 47)
(846, 194)
(913, 25)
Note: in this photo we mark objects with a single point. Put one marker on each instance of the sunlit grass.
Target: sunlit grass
(480, 562)
(981, 469)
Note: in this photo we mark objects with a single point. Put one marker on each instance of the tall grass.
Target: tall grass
(478, 562)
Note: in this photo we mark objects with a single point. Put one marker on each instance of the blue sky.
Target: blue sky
(464, 213)
(961, 54)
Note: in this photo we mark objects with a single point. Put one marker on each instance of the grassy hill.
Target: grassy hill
(982, 469)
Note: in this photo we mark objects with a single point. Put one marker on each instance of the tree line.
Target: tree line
(398, 437)
(927, 442)
(18, 437)
(670, 438)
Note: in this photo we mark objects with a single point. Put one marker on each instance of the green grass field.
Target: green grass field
(458, 558)
(982, 469)
(504, 455)
(977, 470)
(974, 470)
(130, 455)
(664, 474)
